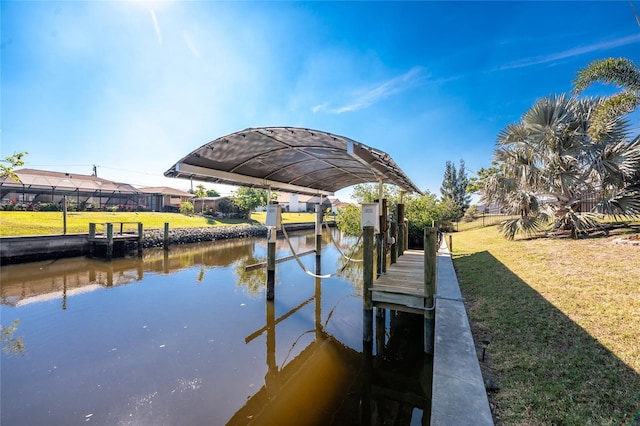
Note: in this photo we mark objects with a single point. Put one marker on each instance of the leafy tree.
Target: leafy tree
(420, 211)
(15, 160)
(200, 191)
(348, 219)
(370, 192)
(212, 193)
(454, 186)
(248, 199)
(548, 163)
(621, 72)
(477, 183)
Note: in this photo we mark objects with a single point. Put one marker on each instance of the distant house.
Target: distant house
(84, 192)
(301, 203)
(164, 198)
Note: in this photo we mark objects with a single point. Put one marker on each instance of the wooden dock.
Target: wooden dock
(402, 287)
(111, 239)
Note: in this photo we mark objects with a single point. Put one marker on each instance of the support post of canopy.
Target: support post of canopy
(367, 272)
(274, 223)
(384, 247)
(271, 262)
(401, 229)
(430, 249)
(318, 234)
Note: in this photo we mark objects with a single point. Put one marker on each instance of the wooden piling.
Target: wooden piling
(401, 230)
(450, 243)
(165, 239)
(393, 248)
(64, 215)
(318, 235)
(367, 279)
(109, 241)
(430, 243)
(92, 235)
(140, 237)
(271, 263)
(384, 246)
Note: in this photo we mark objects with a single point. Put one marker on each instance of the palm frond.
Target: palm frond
(619, 71)
(528, 225)
(625, 202)
(577, 223)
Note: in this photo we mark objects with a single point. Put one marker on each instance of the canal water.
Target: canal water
(186, 337)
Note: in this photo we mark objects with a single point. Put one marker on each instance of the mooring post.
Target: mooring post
(450, 243)
(271, 262)
(430, 238)
(165, 238)
(92, 235)
(394, 244)
(367, 281)
(109, 240)
(384, 246)
(406, 234)
(140, 236)
(318, 235)
(64, 214)
(401, 233)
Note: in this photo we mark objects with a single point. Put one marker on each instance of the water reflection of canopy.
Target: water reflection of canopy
(290, 159)
(305, 390)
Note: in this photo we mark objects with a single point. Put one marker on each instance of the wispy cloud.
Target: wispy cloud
(154, 18)
(192, 47)
(365, 97)
(576, 51)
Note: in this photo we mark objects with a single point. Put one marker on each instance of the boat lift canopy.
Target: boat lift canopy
(290, 159)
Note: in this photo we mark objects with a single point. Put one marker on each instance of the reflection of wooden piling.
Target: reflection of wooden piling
(430, 239)
(401, 230)
(381, 318)
(271, 263)
(165, 239)
(367, 279)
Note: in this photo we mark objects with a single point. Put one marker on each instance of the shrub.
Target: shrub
(186, 207)
(49, 207)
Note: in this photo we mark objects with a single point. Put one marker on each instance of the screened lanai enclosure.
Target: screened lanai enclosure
(35, 188)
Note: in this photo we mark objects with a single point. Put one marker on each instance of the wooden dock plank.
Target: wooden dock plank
(402, 287)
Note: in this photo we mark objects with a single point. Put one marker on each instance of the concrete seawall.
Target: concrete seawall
(458, 392)
(41, 247)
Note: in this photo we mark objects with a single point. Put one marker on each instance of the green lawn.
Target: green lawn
(15, 223)
(563, 319)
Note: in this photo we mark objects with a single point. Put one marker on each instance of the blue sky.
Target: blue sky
(132, 87)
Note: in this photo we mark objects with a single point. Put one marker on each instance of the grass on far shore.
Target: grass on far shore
(562, 317)
(20, 223)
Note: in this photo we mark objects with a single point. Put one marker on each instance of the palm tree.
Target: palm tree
(548, 163)
(619, 71)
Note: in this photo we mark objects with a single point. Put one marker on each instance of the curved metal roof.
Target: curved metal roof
(290, 159)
